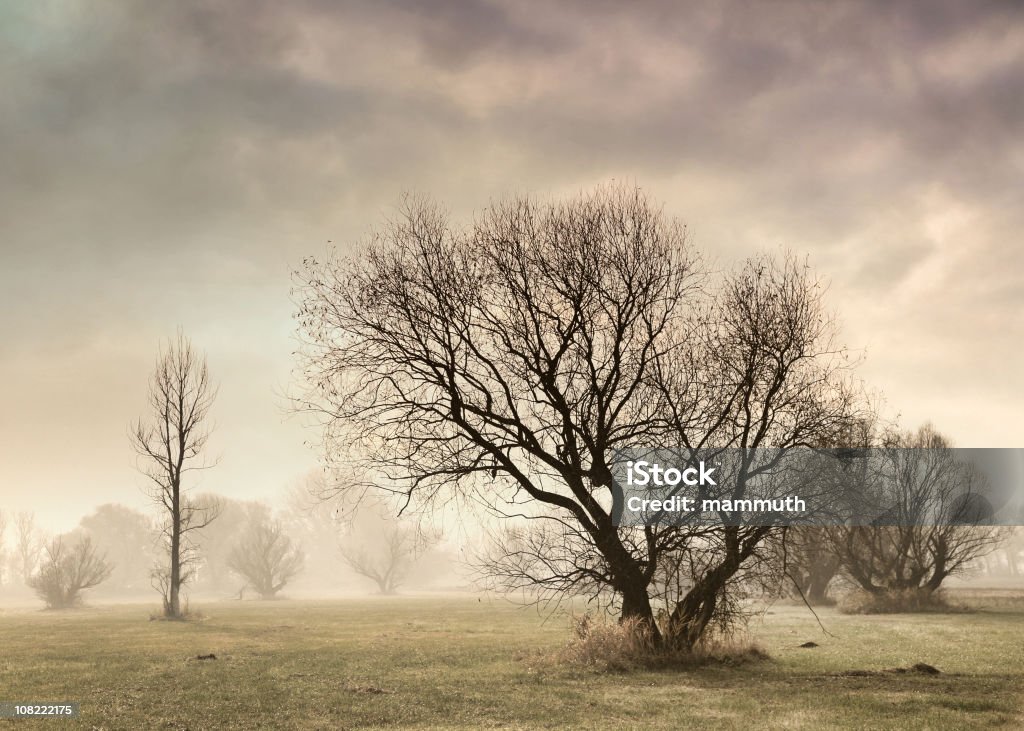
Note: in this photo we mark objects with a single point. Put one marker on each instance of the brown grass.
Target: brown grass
(453, 662)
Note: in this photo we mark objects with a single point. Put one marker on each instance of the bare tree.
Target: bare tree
(28, 545)
(266, 558)
(130, 537)
(67, 571)
(757, 377)
(504, 362)
(508, 362)
(169, 443)
(930, 530)
(317, 521)
(1013, 550)
(810, 564)
(390, 561)
(219, 539)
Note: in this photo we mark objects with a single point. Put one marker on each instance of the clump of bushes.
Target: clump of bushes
(607, 646)
(897, 602)
(187, 614)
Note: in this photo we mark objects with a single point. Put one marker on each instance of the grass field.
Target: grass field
(460, 662)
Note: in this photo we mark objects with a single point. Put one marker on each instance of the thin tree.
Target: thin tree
(169, 442)
(68, 570)
(266, 558)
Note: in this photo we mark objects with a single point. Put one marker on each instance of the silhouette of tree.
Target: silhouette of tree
(169, 443)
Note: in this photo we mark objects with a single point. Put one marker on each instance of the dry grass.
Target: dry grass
(456, 662)
(608, 646)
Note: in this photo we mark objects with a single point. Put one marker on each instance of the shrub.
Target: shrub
(609, 646)
(896, 602)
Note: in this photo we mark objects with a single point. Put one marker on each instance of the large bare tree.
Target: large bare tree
(169, 442)
(509, 361)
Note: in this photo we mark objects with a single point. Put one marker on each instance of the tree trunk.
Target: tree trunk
(692, 615)
(939, 573)
(818, 582)
(630, 581)
(636, 606)
(173, 609)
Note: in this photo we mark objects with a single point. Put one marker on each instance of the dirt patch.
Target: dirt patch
(921, 668)
(367, 689)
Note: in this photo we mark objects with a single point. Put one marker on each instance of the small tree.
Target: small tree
(170, 444)
(389, 562)
(219, 539)
(266, 558)
(67, 571)
(28, 545)
(318, 523)
(129, 535)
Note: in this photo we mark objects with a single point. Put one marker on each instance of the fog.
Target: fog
(330, 535)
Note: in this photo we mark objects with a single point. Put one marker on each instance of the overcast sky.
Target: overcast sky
(169, 164)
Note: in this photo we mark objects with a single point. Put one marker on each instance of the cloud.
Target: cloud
(170, 163)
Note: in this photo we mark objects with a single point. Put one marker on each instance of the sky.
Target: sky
(169, 165)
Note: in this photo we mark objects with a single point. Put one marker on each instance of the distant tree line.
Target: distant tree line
(249, 550)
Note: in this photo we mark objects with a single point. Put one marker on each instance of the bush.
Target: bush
(609, 646)
(896, 602)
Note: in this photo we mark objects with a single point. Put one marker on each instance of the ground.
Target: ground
(464, 662)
